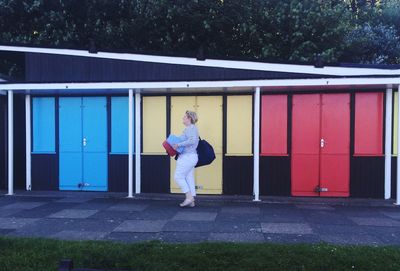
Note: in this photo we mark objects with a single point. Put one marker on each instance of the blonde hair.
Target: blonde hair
(192, 116)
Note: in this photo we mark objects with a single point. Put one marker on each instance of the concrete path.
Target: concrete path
(86, 216)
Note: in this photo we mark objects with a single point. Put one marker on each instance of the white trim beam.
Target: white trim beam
(130, 145)
(137, 143)
(256, 147)
(242, 65)
(270, 84)
(28, 142)
(10, 143)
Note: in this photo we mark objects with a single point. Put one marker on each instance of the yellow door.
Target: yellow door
(209, 110)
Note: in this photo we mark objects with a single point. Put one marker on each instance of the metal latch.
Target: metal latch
(321, 189)
(84, 141)
(82, 185)
(322, 142)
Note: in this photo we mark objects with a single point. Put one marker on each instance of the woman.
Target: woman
(187, 160)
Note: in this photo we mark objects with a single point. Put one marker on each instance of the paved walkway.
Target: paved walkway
(86, 216)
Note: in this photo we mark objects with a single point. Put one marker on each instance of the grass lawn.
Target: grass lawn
(42, 254)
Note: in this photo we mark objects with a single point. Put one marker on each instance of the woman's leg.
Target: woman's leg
(183, 166)
(191, 182)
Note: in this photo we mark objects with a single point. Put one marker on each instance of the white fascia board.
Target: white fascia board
(205, 84)
(243, 65)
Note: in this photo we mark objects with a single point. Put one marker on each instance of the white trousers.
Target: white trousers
(184, 172)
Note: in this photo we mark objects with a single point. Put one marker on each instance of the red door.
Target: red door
(321, 145)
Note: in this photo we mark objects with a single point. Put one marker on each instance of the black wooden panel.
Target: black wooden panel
(275, 175)
(19, 142)
(238, 175)
(3, 143)
(367, 177)
(57, 68)
(394, 174)
(118, 171)
(44, 172)
(155, 173)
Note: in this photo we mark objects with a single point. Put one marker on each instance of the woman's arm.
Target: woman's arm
(191, 135)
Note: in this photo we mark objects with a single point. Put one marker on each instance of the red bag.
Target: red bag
(170, 150)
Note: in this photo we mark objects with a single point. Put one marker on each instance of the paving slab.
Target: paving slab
(195, 216)
(15, 223)
(188, 226)
(23, 205)
(132, 237)
(8, 212)
(237, 226)
(73, 213)
(323, 229)
(373, 221)
(247, 237)
(240, 210)
(237, 217)
(287, 228)
(74, 200)
(327, 217)
(113, 215)
(141, 226)
(315, 207)
(184, 237)
(394, 215)
(128, 207)
(79, 235)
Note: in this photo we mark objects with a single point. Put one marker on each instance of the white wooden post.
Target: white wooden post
(398, 153)
(137, 143)
(130, 145)
(28, 141)
(10, 143)
(256, 147)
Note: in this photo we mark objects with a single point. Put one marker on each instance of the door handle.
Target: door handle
(84, 142)
(322, 143)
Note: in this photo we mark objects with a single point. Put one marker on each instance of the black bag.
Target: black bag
(205, 153)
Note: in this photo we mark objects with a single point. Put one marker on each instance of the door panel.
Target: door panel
(335, 131)
(70, 170)
(95, 124)
(179, 105)
(209, 178)
(335, 171)
(305, 174)
(305, 144)
(305, 124)
(154, 125)
(70, 115)
(95, 148)
(70, 143)
(95, 171)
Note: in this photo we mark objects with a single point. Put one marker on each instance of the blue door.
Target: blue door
(83, 143)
